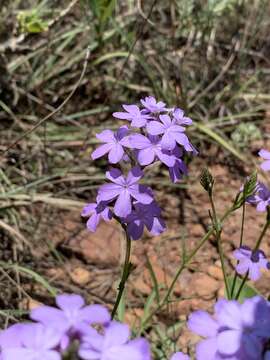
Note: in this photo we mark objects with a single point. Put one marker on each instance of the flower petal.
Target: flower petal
(101, 151)
(70, 302)
(106, 136)
(201, 323)
(229, 341)
(155, 128)
(122, 206)
(116, 334)
(146, 156)
(109, 192)
(116, 153)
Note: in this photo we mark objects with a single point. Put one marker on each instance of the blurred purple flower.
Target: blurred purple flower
(261, 198)
(114, 345)
(37, 342)
(237, 331)
(150, 148)
(171, 133)
(96, 211)
(180, 356)
(114, 142)
(264, 154)
(71, 313)
(179, 118)
(145, 215)
(11, 337)
(179, 168)
(123, 189)
(151, 104)
(251, 261)
(133, 114)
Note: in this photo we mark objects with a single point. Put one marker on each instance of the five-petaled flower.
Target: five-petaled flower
(113, 144)
(171, 133)
(145, 215)
(113, 345)
(150, 149)
(96, 212)
(251, 262)
(71, 314)
(134, 114)
(152, 105)
(123, 190)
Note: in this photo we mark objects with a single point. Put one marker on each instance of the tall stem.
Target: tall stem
(240, 244)
(125, 273)
(218, 229)
(181, 268)
(258, 243)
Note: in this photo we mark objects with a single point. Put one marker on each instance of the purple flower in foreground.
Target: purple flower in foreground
(151, 104)
(150, 148)
(145, 215)
(179, 118)
(171, 133)
(236, 331)
(251, 261)
(261, 198)
(96, 212)
(123, 189)
(71, 313)
(11, 337)
(37, 342)
(264, 154)
(133, 114)
(114, 142)
(180, 356)
(114, 345)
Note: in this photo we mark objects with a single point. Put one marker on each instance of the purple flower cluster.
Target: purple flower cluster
(251, 262)
(235, 331)
(156, 133)
(57, 329)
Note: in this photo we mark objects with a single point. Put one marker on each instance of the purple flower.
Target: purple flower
(95, 212)
(37, 342)
(150, 148)
(179, 118)
(114, 142)
(171, 133)
(114, 345)
(123, 189)
(71, 313)
(11, 337)
(133, 114)
(151, 104)
(179, 168)
(264, 154)
(145, 215)
(236, 331)
(251, 261)
(261, 198)
(180, 356)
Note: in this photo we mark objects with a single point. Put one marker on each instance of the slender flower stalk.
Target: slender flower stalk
(125, 274)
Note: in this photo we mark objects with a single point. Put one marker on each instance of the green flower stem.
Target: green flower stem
(218, 229)
(241, 286)
(258, 243)
(240, 244)
(266, 225)
(187, 260)
(126, 271)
